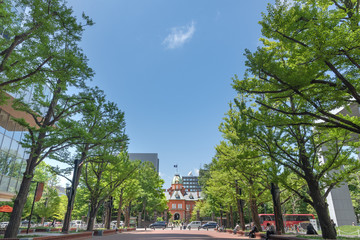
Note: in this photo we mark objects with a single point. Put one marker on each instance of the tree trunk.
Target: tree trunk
(127, 215)
(255, 213)
(19, 203)
(231, 217)
(279, 223)
(227, 220)
(240, 205)
(71, 200)
(120, 209)
(321, 208)
(107, 216)
(241, 213)
(155, 215)
(139, 220)
(93, 212)
(165, 216)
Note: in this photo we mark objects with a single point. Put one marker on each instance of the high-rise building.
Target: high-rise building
(146, 157)
(191, 183)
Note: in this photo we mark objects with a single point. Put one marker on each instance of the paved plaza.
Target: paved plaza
(170, 235)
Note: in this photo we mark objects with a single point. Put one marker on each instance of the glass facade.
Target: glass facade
(12, 154)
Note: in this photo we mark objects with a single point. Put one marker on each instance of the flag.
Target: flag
(39, 191)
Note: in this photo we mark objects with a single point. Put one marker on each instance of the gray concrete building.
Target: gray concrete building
(146, 157)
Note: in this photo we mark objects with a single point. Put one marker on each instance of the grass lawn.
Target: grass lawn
(348, 230)
(319, 237)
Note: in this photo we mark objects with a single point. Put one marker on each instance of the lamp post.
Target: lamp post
(32, 207)
(70, 192)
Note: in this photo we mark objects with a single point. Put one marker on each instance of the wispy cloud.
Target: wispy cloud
(179, 36)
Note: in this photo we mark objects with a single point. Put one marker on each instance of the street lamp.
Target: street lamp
(68, 192)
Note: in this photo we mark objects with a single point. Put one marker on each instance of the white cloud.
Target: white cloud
(179, 36)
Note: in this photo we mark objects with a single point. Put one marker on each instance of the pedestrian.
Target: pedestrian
(53, 223)
(311, 230)
(334, 226)
(270, 229)
(253, 231)
(237, 228)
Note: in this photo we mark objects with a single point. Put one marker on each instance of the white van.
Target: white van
(76, 223)
(194, 225)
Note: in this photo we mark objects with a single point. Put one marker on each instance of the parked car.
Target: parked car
(4, 224)
(47, 224)
(26, 222)
(160, 224)
(194, 224)
(209, 225)
(113, 223)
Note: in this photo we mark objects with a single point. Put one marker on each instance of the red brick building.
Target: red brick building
(180, 201)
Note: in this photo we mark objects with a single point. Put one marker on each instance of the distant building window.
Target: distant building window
(173, 206)
(180, 206)
(187, 207)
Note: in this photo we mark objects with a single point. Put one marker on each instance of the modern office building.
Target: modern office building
(12, 154)
(191, 183)
(146, 157)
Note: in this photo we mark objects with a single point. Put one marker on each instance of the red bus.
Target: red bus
(301, 220)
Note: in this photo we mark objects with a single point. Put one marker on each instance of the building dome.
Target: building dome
(177, 179)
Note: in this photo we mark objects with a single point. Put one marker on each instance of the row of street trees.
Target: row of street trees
(284, 129)
(40, 50)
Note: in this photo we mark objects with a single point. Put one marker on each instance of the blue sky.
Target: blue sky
(168, 65)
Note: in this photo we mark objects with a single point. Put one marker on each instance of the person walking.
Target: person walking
(253, 230)
(270, 229)
(237, 228)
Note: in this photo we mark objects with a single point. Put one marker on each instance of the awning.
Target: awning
(6, 208)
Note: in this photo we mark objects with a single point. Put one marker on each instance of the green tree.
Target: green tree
(297, 148)
(354, 185)
(310, 51)
(152, 197)
(31, 40)
(101, 123)
(103, 174)
(50, 133)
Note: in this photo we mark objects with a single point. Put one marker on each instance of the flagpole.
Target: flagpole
(32, 208)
